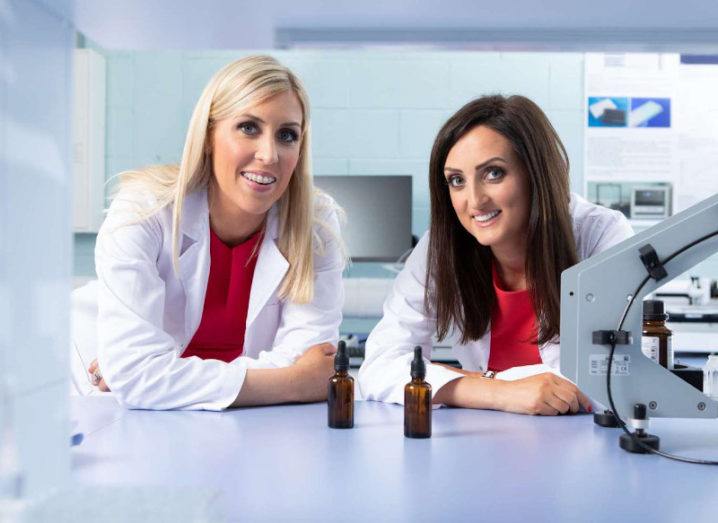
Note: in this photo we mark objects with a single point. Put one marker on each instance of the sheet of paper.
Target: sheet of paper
(652, 118)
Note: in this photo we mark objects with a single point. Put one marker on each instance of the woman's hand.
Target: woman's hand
(96, 377)
(544, 394)
(311, 373)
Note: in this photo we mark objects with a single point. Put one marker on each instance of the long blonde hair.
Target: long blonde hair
(234, 88)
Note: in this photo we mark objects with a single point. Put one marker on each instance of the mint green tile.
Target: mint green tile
(198, 69)
(329, 166)
(414, 81)
(325, 79)
(420, 217)
(472, 75)
(331, 133)
(120, 79)
(373, 133)
(526, 74)
(119, 140)
(160, 123)
(417, 131)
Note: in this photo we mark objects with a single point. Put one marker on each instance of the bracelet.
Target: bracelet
(490, 374)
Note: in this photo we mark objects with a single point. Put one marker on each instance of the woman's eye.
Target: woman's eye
(494, 173)
(455, 181)
(288, 136)
(249, 128)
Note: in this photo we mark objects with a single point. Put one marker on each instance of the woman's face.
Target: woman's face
(255, 154)
(489, 189)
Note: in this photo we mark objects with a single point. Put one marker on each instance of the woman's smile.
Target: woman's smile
(486, 219)
(259, 181)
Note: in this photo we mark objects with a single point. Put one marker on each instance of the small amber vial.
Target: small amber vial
(417, 400)
(340, 400)
(656, 341)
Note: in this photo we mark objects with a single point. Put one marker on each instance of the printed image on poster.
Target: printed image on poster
(650, 112)
(604, 111)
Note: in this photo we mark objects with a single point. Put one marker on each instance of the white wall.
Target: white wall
(35, 235)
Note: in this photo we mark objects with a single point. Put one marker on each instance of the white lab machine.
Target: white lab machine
(650, 203)
(598, 294)
(602, 324)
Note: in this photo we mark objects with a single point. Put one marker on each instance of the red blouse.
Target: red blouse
(513, 329)
(220, 335)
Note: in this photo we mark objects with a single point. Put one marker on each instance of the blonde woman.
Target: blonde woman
(219, 281)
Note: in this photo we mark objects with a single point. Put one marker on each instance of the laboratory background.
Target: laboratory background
(89, 89)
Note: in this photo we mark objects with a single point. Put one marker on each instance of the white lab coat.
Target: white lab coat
(406, 323)
(141, 316)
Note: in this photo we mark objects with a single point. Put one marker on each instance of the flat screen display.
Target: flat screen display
(651, 197)
(378, 209)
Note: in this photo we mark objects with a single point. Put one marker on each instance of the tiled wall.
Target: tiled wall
(373, 112)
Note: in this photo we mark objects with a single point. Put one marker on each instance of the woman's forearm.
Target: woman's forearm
(471, 392)
(267, 387)
(305, 380)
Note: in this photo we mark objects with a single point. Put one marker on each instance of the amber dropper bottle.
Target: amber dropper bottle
(340, 400)
(656, 340)
(417, 400)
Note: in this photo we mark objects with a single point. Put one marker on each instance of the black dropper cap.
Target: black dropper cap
(418, 367)
(341, 358)
(654, 310)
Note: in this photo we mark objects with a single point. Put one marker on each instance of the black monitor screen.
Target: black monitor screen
(378, 209)
(650, 197)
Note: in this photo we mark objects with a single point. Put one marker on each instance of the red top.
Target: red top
(220, 335)
(513, 329)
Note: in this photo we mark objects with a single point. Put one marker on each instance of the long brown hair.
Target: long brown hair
(459, 284)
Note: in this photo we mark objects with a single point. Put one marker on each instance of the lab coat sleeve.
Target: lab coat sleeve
(609, 230)
(139, 360)
(405, 324)
(303, 325)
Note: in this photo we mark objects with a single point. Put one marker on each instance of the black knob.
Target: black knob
(639, 411)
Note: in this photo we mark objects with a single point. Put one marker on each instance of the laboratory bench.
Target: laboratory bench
(284, 463)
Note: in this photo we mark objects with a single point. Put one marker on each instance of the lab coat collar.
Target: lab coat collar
(194, 261)
(195, 215)
(194, 256)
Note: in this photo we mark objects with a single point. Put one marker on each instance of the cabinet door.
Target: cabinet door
(88, 140)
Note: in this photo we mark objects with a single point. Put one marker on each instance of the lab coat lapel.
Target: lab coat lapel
(194, 257)
(551, 355)
(270, 270)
